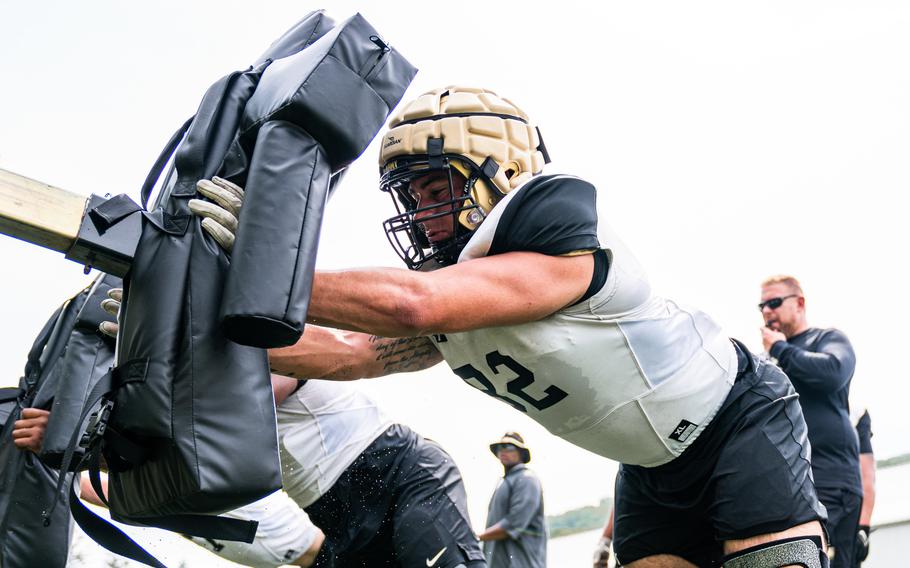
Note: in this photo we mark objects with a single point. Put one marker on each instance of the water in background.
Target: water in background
(573, 550)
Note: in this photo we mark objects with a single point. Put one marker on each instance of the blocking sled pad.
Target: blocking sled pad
(187, 426)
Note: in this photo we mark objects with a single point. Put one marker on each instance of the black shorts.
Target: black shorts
(400, 503)
(747, 474)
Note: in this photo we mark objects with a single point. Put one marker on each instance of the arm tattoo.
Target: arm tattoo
(405, 354)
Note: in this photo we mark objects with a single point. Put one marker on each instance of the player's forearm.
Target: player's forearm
(867, 469)
(324, 354)
(308, 558)
(349, 355)
(865, 514)
(87, 492)
(827, 372)
(495, 532)
(516, 287)
(381, 301)
(608, 528)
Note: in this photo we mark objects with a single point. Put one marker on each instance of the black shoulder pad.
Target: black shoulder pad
(552, 215)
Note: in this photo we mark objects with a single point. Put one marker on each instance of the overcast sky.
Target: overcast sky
(728, 141)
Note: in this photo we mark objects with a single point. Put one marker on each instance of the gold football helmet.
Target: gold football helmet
(484, 137)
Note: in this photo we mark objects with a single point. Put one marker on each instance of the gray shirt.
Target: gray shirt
(517, 507)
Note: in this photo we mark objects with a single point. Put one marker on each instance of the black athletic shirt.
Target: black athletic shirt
(552, 215)
(864, 431)
(820, 364)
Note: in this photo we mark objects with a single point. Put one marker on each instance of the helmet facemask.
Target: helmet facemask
(461, 203)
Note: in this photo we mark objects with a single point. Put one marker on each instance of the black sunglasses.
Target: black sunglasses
(775, 303)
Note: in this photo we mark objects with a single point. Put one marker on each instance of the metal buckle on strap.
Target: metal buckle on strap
(97, 424)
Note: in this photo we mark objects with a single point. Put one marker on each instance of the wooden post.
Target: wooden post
(38, 213)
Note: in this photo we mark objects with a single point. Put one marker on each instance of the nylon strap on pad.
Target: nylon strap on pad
(163, 159)
(123, 449)
(203, 526)
(805, 551)
(8, 394)
(107, 535)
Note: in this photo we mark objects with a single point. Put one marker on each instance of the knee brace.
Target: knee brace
(805, 551)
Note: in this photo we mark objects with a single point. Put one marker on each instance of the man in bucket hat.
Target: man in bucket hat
(516, 534)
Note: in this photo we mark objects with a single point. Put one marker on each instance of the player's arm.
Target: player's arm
(494, 532)
(504, 289)
(87, 492)
(602, 550)
(512, 285)
(827, 369)
(323, 353)
(867, 470)
(28, 432)
(308, 558)
(608, 527)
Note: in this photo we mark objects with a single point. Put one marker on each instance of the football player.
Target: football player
(382, 494)
(379, 493)
(715, 459)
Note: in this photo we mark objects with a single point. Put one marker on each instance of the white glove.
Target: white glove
(219, 219)
(112, 306)
(602, 552)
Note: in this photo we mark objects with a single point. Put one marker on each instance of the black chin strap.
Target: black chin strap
(448, 253)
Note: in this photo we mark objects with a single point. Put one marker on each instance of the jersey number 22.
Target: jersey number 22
(524, 378)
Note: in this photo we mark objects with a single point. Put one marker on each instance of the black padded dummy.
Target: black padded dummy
(191, 431)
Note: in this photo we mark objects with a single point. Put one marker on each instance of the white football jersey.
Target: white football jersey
(623, 373)
(322, 428)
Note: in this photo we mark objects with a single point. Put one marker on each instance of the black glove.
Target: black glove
(862, 543)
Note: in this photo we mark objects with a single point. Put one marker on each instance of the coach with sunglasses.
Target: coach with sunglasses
(820, 365)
